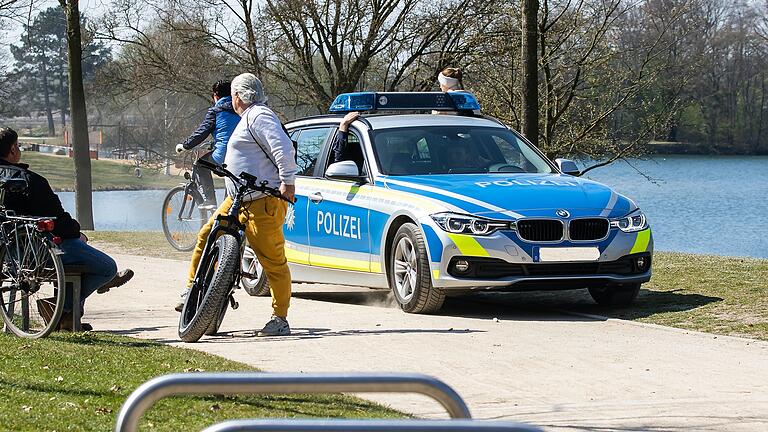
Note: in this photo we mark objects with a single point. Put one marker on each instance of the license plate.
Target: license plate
(568, 254)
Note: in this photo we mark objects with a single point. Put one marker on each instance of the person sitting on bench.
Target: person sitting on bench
(40, 200)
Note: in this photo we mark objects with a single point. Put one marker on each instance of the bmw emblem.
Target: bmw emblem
(562, 213)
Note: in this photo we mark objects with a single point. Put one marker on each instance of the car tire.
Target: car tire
(409, 273)
(615, 294)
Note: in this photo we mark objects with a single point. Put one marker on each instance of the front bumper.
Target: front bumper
(494, 274)
(503, 261)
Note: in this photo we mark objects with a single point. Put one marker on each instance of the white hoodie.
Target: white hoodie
(270, 158)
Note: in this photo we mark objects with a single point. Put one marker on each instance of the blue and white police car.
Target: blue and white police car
(430, 205)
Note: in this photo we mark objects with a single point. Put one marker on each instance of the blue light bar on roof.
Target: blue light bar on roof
(404, 101)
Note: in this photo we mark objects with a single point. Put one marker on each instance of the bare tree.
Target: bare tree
(530, 70)
(323, 48)
(80, 144)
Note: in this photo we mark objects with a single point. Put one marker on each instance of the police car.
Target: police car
(430, 205)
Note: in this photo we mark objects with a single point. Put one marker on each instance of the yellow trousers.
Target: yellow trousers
(263, 219)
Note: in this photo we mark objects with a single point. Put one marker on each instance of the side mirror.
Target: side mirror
(568, 166)
(345, 170)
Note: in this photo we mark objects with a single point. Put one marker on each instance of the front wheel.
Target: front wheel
(259, 285)
(208, 296)
(408, 273)
(615, 294)
(182, 219)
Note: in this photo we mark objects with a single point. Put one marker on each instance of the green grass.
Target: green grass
(106, 175)
(79, 381)
(723, 295)
(144, 243)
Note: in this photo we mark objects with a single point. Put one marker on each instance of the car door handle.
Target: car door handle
(316, 197)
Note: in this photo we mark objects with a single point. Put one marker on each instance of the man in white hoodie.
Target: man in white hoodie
(259, 146)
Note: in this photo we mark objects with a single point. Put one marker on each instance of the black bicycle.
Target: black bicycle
(219, 270)
(32, 275)
(182, 216)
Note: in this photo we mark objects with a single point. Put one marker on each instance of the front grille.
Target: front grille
(588, 229)
(540, 230)
(492, 268)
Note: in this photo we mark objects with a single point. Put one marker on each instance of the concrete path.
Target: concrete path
(555, 370)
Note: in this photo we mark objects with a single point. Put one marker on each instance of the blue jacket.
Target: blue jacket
(220, 121)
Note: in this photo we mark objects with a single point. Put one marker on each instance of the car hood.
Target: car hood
(516, 195)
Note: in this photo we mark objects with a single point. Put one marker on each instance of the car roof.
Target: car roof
(388, 121)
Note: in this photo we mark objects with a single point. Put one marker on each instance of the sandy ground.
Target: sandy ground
(552, 369)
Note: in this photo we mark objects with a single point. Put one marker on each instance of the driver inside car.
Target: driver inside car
(461, 158)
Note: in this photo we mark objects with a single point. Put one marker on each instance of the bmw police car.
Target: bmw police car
(429, 205)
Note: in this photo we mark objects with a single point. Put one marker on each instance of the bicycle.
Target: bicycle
(181, 223)
(219, 270)
(182, 216)
(32, 286)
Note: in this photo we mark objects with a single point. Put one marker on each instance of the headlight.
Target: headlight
(633, 222)
(463, 224)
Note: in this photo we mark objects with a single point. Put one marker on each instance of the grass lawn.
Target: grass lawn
(79, 381)
(144, 243)
(106, 175)
(722, 295)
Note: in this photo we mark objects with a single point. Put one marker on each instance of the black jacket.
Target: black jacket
(38, 200)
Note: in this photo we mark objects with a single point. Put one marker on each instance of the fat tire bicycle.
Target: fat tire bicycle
(182, 219)
(32, 286)
(220, 268)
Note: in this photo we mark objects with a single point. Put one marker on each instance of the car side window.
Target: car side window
(353, 152)
(309, 144)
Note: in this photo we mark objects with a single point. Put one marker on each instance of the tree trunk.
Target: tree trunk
(78, 116)
(530, 71)
(47, 98)
(62, 100)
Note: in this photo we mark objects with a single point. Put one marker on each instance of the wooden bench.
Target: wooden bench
(73, 280)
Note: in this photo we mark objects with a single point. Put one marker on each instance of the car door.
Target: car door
(311, 140)
(338, 216)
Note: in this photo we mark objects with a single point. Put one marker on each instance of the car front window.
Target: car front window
(454, 150)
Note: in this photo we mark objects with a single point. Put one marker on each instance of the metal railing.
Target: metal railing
(261, 383)
(282, 425)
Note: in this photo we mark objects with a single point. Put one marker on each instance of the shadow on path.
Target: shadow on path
(531, 306)
(301, 333)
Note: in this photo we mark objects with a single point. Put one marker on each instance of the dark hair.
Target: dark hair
(221, 88)
(8, 137)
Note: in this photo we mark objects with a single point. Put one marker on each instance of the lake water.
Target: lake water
(701, 204)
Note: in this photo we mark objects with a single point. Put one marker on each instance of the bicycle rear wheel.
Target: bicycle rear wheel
(32, 286)
(206, 299)
(258, 286)
(182, 219)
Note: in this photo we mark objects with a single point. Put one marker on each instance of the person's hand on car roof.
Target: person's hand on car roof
(347, 120)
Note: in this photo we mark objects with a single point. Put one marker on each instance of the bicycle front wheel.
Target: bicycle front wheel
(207, 298)
(182, 219)
(32, 284)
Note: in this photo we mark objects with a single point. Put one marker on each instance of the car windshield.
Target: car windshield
(454, 150)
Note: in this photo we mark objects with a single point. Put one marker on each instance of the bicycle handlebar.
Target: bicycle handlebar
(244, 179)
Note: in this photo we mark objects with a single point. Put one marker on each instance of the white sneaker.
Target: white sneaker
(180, 305)
(276, 326)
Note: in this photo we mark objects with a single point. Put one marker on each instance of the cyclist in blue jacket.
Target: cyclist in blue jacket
(219, 122)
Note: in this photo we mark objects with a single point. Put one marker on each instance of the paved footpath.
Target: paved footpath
(558, 371)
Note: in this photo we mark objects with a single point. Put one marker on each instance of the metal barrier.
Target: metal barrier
(283, 425)
(260, 383)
